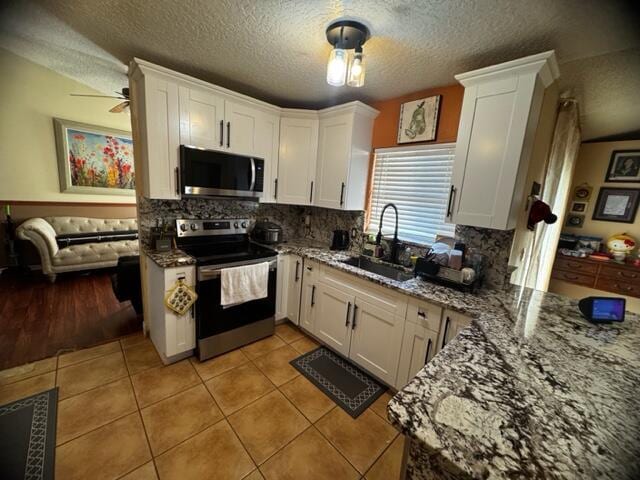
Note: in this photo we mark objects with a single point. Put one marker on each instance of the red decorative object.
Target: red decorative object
(539, 212)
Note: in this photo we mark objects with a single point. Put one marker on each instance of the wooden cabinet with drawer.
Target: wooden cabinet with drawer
(617, 278)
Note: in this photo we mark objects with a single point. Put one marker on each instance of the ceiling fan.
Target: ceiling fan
(122, 95)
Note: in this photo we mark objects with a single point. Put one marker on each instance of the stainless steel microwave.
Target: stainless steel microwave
(209, 173)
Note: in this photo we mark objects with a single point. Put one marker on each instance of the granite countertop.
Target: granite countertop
(529, 390)
(172, 258)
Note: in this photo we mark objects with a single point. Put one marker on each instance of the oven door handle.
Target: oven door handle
(253, 174)
(213, 272)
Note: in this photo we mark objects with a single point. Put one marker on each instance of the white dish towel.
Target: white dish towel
(243, 284)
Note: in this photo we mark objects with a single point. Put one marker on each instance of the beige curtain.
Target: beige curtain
(540, 251)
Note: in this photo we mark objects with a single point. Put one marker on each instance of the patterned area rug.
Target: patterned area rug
(27, 437)
(344, 383)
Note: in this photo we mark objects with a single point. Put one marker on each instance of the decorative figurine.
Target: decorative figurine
(621, 245)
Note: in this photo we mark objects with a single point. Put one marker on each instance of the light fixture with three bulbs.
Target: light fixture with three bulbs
(344, 66)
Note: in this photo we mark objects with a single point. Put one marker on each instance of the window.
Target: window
(417, 180)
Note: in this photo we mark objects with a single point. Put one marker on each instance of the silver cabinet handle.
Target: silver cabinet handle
(228, 134)
(446, 328)
(426, 357)
(342, 194)
(297, 270)
(313, 295)
(221, 132)
(449, 204)
(422, 314)
(346, 323)
(177, 181)
(311, 193)
(275, 186)
(353, 321)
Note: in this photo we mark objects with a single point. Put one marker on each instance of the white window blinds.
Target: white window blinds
(417, 180)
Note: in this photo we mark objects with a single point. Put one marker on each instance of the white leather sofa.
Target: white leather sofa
(91, 242)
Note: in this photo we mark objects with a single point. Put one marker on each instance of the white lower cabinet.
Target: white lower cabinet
(309, 295)
(452, 323)
(333, 317)
(282, 282)
(173, 335)
(294, 287)
(418, 348)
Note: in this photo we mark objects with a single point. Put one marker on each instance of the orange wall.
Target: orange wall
(385, 127)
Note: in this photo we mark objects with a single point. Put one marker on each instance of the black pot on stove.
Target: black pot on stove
(266, 232)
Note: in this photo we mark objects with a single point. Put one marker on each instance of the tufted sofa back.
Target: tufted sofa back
(71, 225)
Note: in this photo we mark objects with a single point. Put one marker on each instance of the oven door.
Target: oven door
(212, 319)
(210, 173)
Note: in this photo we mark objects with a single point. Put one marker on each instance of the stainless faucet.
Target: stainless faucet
(393, 256)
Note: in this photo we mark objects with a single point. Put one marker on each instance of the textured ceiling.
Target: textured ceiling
(276, 49)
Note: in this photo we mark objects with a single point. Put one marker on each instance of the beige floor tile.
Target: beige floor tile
(288, 333)
(238, 387)
(380, 405)
(89, 410)
(108, 452)
(307, 398)
(256, 349)
(223, 363)
(177, 418)
(28, 370)
(360, 440)
(145, 472)
(255, 475)
(275, 364)
(84, 376)
(161, 382)
(141, 356)
(388, 466)
(214, 453)
(132, 339)
(78, 356)
(25, 388)
(311, 457)
(305, 344)
(267, 425)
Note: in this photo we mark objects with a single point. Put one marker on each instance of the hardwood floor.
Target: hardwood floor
(39, 319)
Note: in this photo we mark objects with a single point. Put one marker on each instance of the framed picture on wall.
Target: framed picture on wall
(579, 207)
(582, 192)
(617, 204)
(574, 221)
(419, 120)
(624, 166)
(94, 159)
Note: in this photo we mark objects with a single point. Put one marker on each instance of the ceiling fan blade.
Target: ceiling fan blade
(95, 96)
(121, 107)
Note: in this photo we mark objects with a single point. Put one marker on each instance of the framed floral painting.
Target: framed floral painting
(93, 159)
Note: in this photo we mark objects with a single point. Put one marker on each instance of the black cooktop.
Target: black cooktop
(220, 251)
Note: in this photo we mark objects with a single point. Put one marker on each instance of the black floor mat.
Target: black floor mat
(28, 436)
(344, 383)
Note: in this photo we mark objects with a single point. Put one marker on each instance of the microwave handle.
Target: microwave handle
(253, 174)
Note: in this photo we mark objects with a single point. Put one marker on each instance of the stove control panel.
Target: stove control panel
(201, 227)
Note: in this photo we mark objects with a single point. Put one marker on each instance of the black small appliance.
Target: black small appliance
(340, 240)
(602, 309)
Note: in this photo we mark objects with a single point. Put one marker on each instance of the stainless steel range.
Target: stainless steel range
(219, 244)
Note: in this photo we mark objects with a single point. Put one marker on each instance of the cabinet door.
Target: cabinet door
(376, 340)
(489, 151)
(452, 324)
(201, 118)
(282, 283)
(309, 292)
(162, 142)
(297, 160)
(418, 348)
(180, 330)
(334, 153)
(294, 288)
(332, 321)
(268, 143)
(241, 128)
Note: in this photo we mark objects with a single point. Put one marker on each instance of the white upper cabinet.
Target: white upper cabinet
(155, 123)
(242, 124)
(500, 114)
(297, 158)
(201, 118)
(344, 146)
(267, 146)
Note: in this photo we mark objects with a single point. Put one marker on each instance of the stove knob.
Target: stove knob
(244, 224)
(184, 227)
(235, 225)
(194, 226)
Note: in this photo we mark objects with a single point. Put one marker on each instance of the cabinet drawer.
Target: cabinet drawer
(620, 287)
(577, 278)
(575, 266)
(618, 273)
(424, 314)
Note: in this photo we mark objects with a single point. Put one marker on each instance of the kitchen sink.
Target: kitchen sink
(365, 263)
